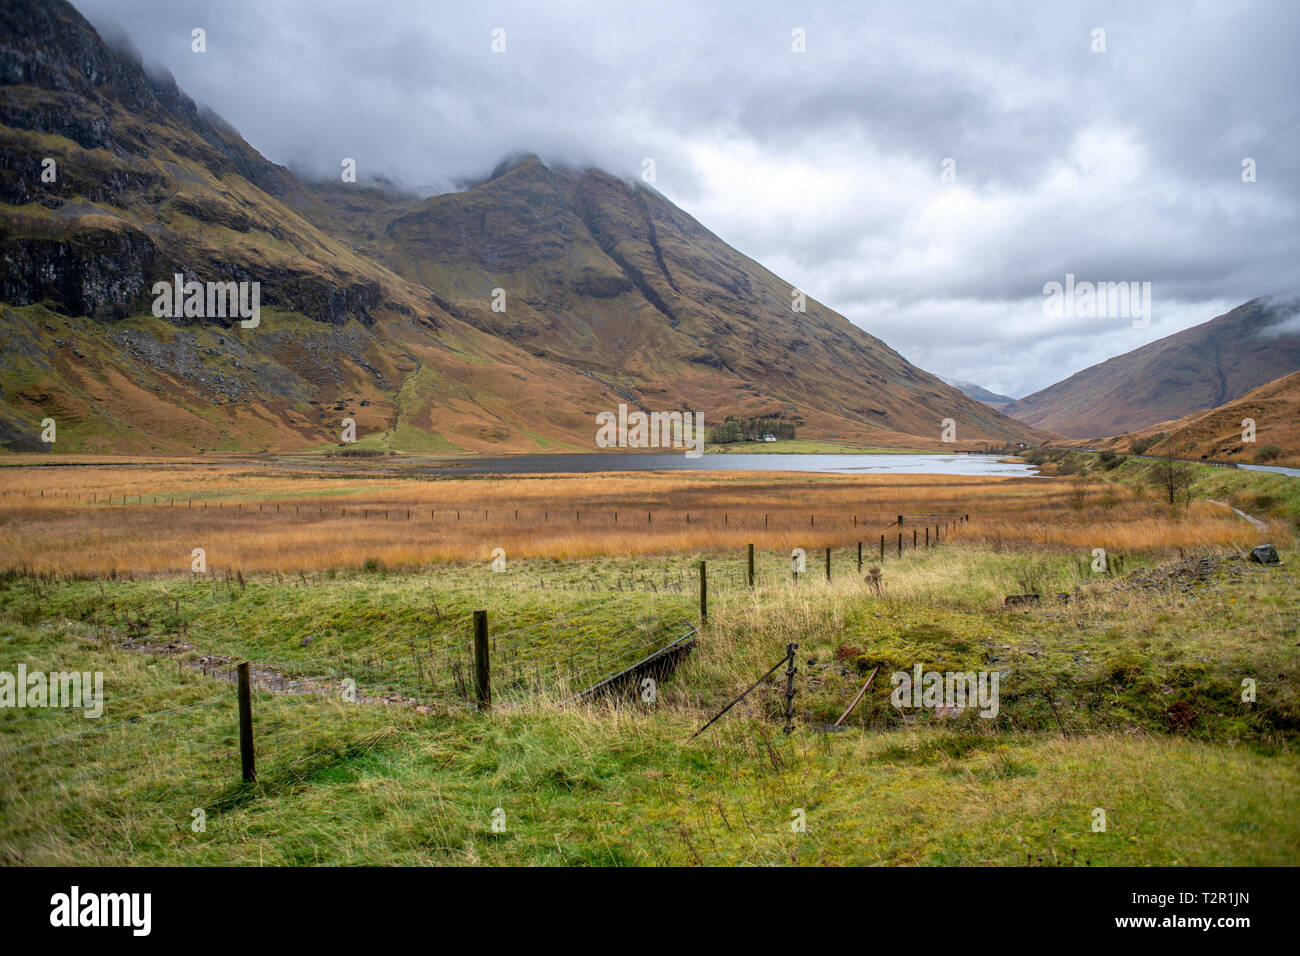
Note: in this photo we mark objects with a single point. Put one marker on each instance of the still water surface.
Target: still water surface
(969, 465)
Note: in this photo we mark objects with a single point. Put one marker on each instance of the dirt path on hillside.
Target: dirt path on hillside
(1262, 526)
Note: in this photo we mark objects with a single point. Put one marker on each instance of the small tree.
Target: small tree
(1175, 478)
(1078, 495)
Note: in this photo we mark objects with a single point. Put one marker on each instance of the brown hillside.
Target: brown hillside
(1197, 369)
(1217, 434)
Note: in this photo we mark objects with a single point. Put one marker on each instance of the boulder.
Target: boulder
(1265, 554)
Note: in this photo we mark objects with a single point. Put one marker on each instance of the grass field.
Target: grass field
(1124, 694)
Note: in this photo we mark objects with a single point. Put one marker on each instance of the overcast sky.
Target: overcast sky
(825, 165)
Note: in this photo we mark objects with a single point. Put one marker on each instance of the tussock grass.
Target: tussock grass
(1083, 722)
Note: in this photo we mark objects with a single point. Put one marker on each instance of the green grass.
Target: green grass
(1083, 723)
(1258, 493)
(633, 792)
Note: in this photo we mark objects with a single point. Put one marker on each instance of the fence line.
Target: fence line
(550, 657)
(532, 659)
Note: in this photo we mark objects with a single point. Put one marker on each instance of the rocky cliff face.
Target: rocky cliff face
(141, 183)
(100, 272)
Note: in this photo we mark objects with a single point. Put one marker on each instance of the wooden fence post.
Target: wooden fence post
(900, 544)
(828, 565)
(789, 686)
(704, 595)
(882, 547)
(246, 725)
(751, 565)
(859, 557)
(482, 666)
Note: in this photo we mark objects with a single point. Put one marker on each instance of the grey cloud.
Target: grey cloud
(824, 166)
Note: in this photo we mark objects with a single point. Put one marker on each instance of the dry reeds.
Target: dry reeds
(148, 517)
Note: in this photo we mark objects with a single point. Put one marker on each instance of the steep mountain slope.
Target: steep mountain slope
(1199, 368)
(609, 277)
(375, 305)
(148, 185)
(1217, 434)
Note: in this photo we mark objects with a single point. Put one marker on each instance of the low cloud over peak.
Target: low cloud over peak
(923, 172)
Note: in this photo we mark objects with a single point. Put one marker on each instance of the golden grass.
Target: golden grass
(269, 516)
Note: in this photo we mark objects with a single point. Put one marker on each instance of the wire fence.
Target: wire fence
(157, 740)
(152, 741)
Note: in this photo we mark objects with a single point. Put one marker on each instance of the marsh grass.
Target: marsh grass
(149, 519)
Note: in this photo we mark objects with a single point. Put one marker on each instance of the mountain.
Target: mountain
(1199, 368)
(611, 277)
(1218, 434)
(981, 394)
(376, 305)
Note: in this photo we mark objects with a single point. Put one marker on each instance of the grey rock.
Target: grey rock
(1265, 554)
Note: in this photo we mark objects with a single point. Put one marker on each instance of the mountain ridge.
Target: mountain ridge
(377, 305)
(1192, 370)
(980, 393)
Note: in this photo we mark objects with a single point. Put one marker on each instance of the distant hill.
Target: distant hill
(981, 394)
(1197, 369)
(1217, 434)
(378, 306)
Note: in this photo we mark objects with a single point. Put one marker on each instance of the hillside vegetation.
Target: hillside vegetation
(1218, 434)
